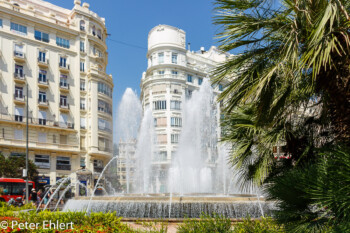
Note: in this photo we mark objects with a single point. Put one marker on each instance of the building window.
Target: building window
(42, 56)
(17, 28)
(41, 36)
(42, 161)
(18, 134)
(18, 114)
(82, 66)
(175, 138)
(19, 50)
(19, 93)
(63, 163)
(176, 122)
(174, 72)
(98, 165)
(63, 100)
(160, 72)
(200, 81)
(104, 144)
(175, 105)
(83, 123)
(104, 125)
(42, 76)
(104, 89)
(82, 85)
(64, 81)
(103, 106)
(161, 156)
(0, 22)
(189, 78)
(99, 34)
(62, 42)
(63, 62)
(42, 137)
(221, 88)
(42, 97)
(82, 46)
(174, 58)
(160, 122)
(82, 25)
(19, 71)
(160, 58)
(159, 105)
(93, 30)
(42, 118)
(63, 121)
(63, 139)
(82, 104)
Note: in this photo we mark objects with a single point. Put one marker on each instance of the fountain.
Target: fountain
(198, 179)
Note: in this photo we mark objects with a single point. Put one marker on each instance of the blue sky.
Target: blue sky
(129, 22)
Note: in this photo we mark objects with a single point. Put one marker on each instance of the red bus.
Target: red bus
(13, 188)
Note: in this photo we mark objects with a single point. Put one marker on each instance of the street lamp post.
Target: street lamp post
(27, 141)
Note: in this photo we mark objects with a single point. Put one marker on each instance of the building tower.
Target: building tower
(172, 75)
(62, 55)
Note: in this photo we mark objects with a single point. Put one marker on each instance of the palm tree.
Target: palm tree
(296, 57)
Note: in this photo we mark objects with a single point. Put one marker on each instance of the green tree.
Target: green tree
(296, 57)
(12, 167)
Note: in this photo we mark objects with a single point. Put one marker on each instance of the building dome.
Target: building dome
(165, 35)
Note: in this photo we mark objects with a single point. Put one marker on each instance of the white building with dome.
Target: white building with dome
(173, 73)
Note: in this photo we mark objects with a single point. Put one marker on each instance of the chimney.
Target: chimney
(202, 50)
(189, 47)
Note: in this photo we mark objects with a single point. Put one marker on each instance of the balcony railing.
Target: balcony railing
(19, 97)
(82, 107)
(18, 54)
(43, 61)
(64, 105)
(64, 85)
(19, 76)
(43, 102)
(63, 66)
(37, 121)
(45, 82)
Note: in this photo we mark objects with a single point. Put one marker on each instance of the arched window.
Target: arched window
(94, 30)
(99, 34)
(82, 25)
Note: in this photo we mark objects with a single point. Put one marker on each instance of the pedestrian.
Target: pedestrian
(34, 197)
(39, 197)
(24, 197)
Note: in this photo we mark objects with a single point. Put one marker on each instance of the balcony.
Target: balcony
(19, 98)
(64, 107)
(43, 83)
(19, 77)
(43, 103)
(64, 87)
(63, 67)
(44, 63)
(65, 125)
(19, 57)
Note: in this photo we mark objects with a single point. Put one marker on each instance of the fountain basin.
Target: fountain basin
(164, 206)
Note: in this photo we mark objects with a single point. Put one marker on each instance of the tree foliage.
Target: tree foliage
(290, 86)
(12, 167)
